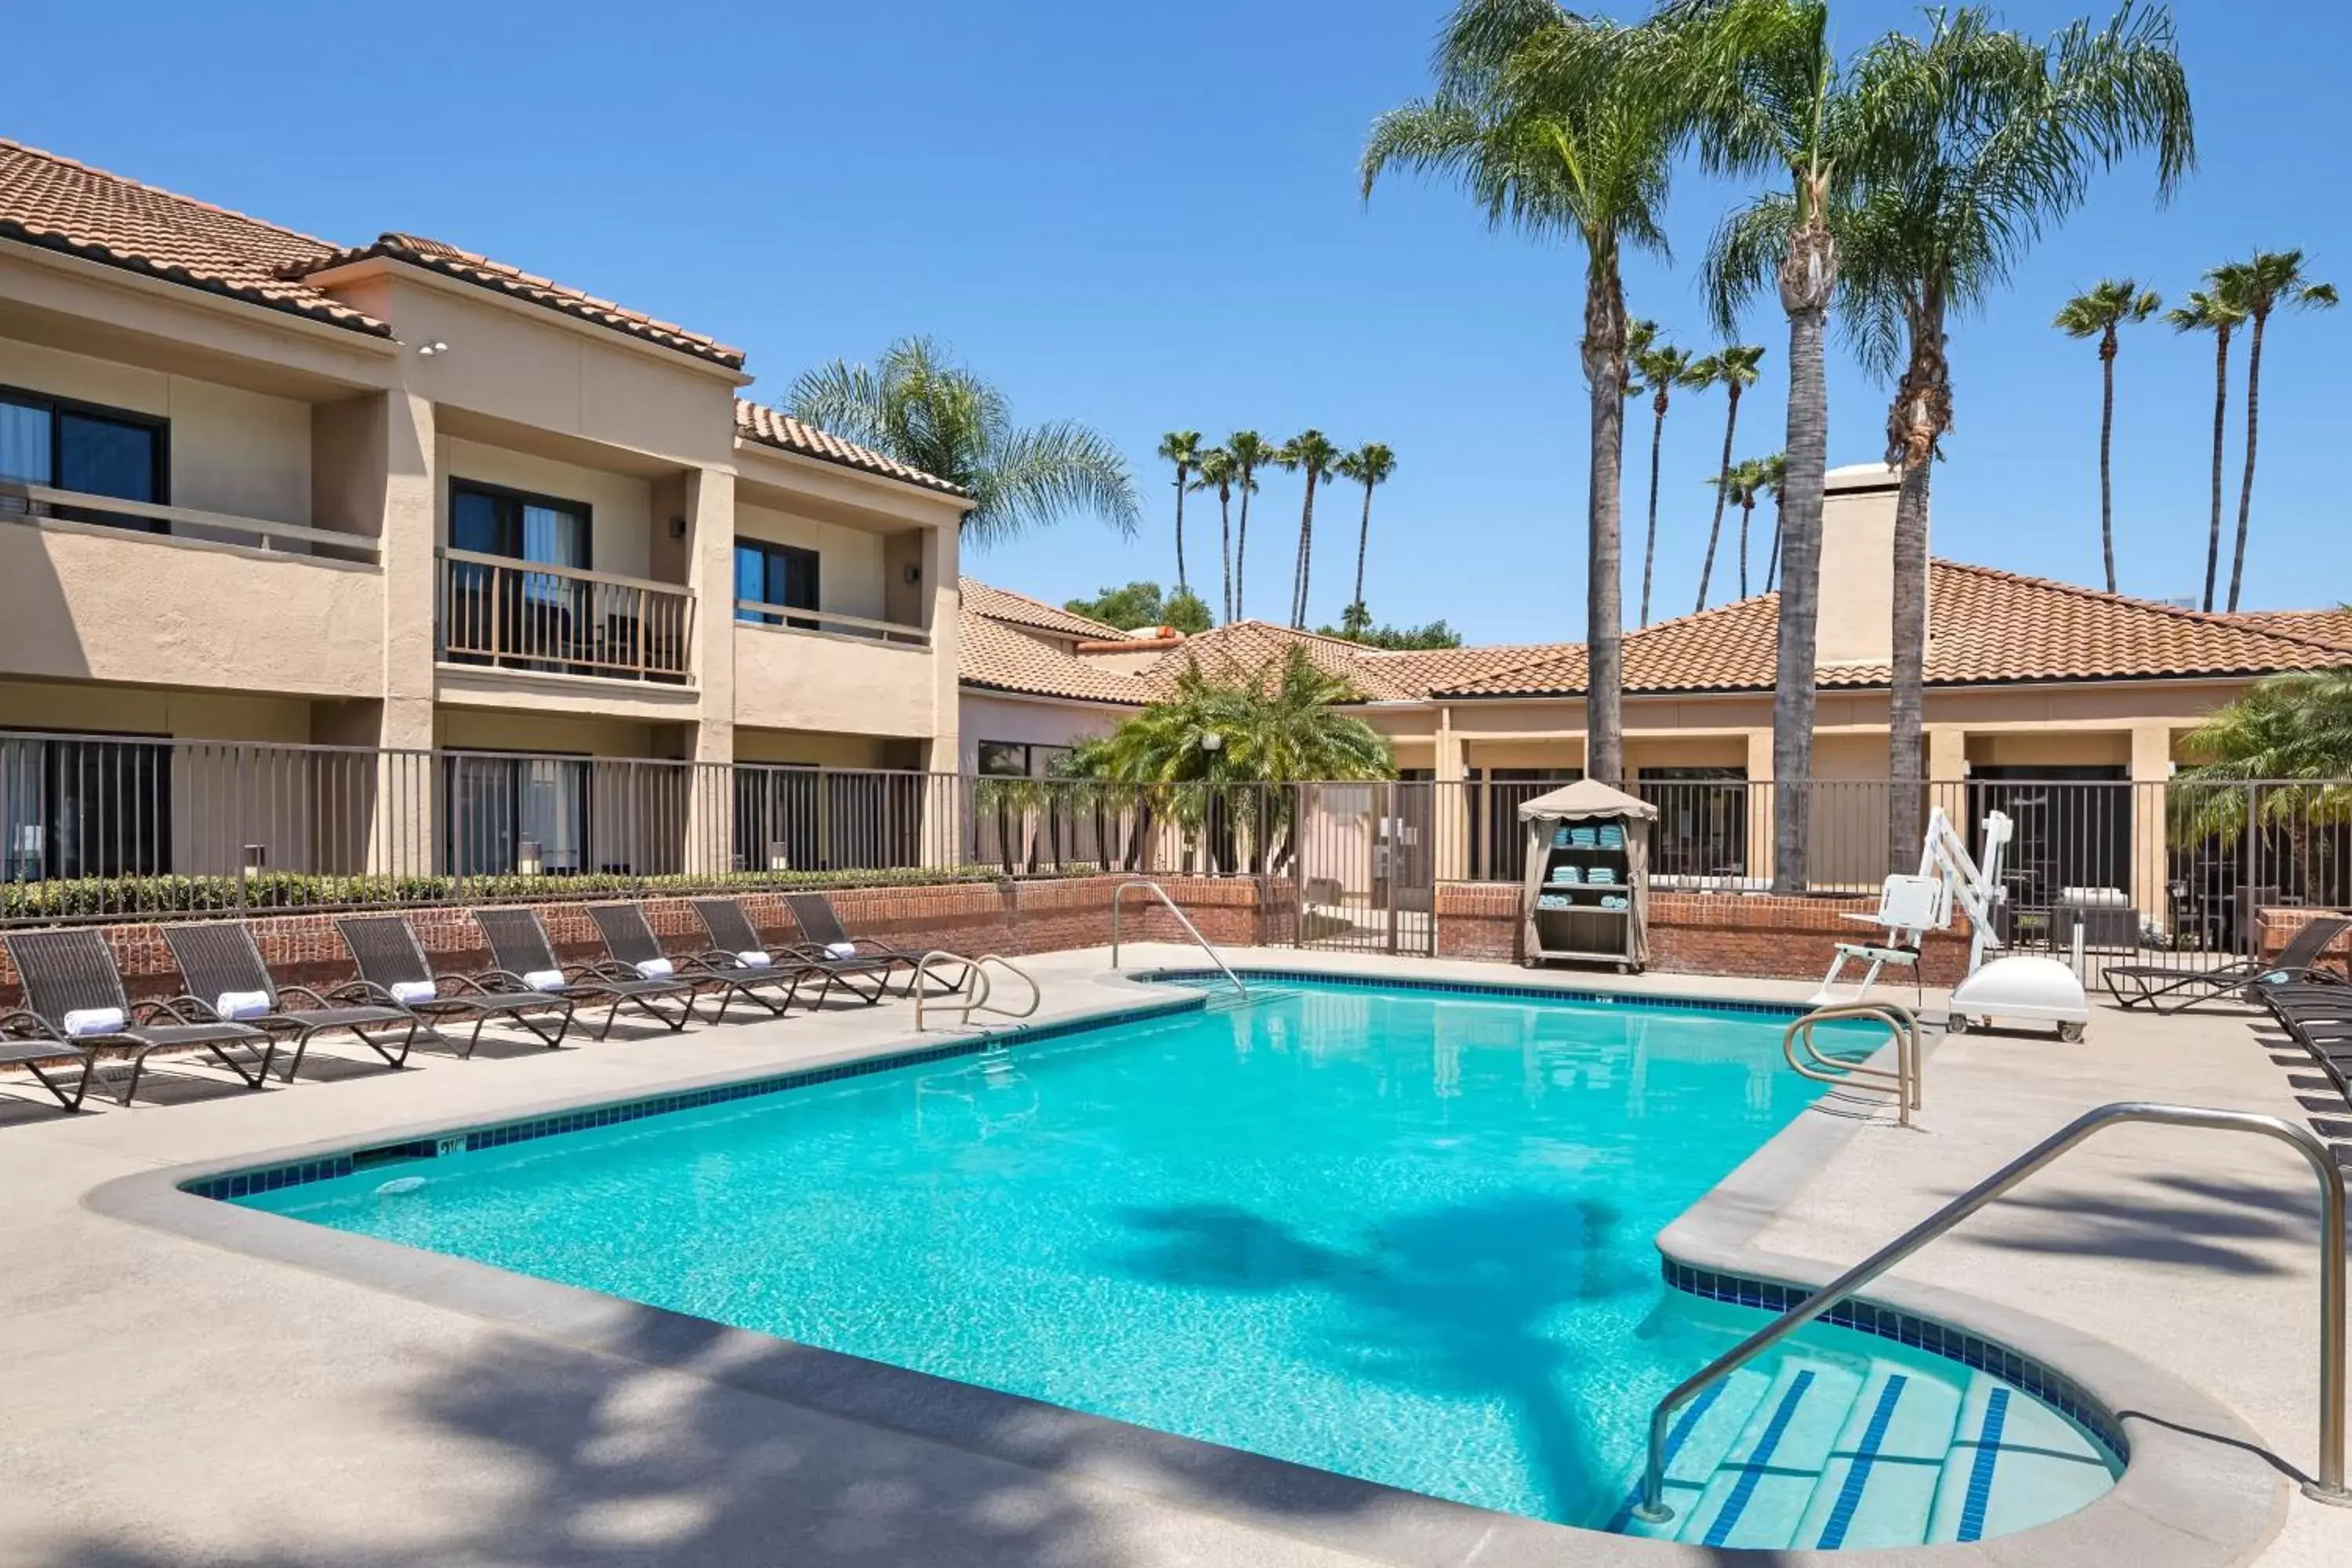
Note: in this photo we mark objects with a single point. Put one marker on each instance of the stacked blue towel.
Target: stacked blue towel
(1601, 875)
(1612, 837)
(1583, 837)
(1559, 836)
(1566, 874)
(1552, 901)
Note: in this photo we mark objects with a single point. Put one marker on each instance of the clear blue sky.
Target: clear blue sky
(1150, 219)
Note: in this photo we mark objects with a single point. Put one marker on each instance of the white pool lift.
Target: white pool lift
(2023, 987)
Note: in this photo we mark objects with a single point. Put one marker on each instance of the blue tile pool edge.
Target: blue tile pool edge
(1514, 991)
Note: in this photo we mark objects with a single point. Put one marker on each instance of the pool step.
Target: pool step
(1833, 1451)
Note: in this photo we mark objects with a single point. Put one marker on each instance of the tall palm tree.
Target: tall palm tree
(2096, 313)
(2273, 279)
(1776, 481)
(1741, 482)
(1250, 452)
(1734, 366)
(1994, 138)
(1216, 471)
(1662, 368)
(1310, 453)
(1766, 95)
(1182, 447)
(919, 406)
(2211, 313)
(1370, 466)
(1556, 123)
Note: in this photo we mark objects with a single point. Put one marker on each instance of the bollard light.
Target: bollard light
(528, 860)
(780, 856)
(255, 856)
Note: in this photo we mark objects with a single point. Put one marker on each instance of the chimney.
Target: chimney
(1857, 623)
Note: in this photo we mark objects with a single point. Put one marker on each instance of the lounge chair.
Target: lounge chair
(221, 966)
(631, 942)
(733, 934)
(394, 974)
(826, 938)
(2154, 985)
(74, 1002)
(524, 957)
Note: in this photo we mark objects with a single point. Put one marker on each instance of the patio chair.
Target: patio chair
(522, 956)
(394, 974)
(826, 938)
(631, 942)
(220, 964)
(74, 1002)
(2156, 985)
(732, 934)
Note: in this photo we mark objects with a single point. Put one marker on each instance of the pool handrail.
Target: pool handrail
(1652, 1508)
(1119, 895)
(974, 987)
(1901, 1023)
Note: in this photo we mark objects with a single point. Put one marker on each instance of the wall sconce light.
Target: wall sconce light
(780, 858)
(427, 350)
(529, 859)
(677, 528)
(911, 573)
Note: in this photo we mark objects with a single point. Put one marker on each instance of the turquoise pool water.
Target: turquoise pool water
(1402, 1234)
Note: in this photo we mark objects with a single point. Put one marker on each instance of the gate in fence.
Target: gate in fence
(1366, 866)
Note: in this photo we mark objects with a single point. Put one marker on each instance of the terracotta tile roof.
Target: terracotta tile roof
(450, 261)
(1250, 648)
(2322, 626)
(1988, 626)
(1432, 669)
(60, 205)
(758, 422)
(993, 656)
(1021, 610)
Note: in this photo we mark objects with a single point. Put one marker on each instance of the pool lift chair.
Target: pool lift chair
(2020, 986)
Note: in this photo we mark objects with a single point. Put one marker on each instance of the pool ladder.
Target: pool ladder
(1807, 1060)
(973, 991)
(1119, 897)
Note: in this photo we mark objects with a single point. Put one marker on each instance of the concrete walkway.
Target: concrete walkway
(165, 1402)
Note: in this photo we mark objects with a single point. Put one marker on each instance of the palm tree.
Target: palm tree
(1993, 137)
(1370, 466)
(1250, 452)
(2210, 312)
(2096, 313)
(1310, 453)
(2277, 754)
(1662, 367)
(1776, 481)
(1556, 123)
(1182, 447)
(917, 406)
(2273, 278)
(1734, 367)
(1217, 472)
(1740, 482)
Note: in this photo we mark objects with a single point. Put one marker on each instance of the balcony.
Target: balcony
(531, 616)
(822, 671)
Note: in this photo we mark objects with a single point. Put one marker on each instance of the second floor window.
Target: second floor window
(774, 575)
(63, 445)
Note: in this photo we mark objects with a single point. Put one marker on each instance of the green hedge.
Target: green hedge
(268, 892)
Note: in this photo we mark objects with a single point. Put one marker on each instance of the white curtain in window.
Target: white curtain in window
(549, 803)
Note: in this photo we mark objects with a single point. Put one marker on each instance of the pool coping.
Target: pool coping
(2183, 1501)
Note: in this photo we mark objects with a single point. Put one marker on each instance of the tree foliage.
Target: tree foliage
(1144, 605)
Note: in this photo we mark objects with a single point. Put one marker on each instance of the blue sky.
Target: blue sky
(1149, 220)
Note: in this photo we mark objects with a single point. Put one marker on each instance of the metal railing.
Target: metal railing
(828, 622)
(531, 615)
(1901, 1026)
(973, 991)
(2327, 1488)
(1119, 898)
(36, 503)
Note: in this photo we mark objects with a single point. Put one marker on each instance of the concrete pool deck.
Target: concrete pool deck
(169, 1401)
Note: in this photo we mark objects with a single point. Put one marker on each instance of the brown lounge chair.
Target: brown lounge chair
(825, 936)
(73, 972)
(219, 959)
(631, 942)
(521, 953)
(388, 954)
(2168, 990)
(732, 933)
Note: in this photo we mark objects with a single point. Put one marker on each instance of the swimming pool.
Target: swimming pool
(1403, 1233)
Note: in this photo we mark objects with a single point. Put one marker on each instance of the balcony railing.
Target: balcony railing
(36, 503)
(531, 615)
(829, 623)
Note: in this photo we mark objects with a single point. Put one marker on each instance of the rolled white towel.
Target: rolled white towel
(544, 980)
(82, 1021)
(753, 958)
(241, 1003)
(408, 993)
(842, 949)
(654, 969)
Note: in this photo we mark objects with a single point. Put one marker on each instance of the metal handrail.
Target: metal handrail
(1119, 894)
(1653, 1508)
(1901, 1023)
(974, 985)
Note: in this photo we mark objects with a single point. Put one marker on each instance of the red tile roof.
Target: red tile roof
(2322, 626)
(1021, 610)
(758, 422)
(1250, 648)
(997, 657)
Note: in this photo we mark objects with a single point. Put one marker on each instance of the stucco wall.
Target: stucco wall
(786, 679)
(987, 718)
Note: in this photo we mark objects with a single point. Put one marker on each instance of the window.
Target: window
(1702, 829)
(1019, 760)
(79, 806)
(524, 620)
(68, 446)
(775, 574)
(488, 521)
(496, 805)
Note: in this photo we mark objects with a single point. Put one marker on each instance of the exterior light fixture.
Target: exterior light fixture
(1213, 741)
(255, 856)
(428, 350)
(780, 855)
(529, 859)
(911, 573)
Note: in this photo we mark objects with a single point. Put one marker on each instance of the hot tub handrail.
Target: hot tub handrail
(1118, 896)
(2328, 1488)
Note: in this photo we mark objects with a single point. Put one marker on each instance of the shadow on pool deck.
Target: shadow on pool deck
(2200, 1222)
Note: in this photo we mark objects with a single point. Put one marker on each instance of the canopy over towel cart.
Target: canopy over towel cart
(1588, 889)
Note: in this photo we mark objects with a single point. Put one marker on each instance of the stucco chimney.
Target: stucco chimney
(1858, 564)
